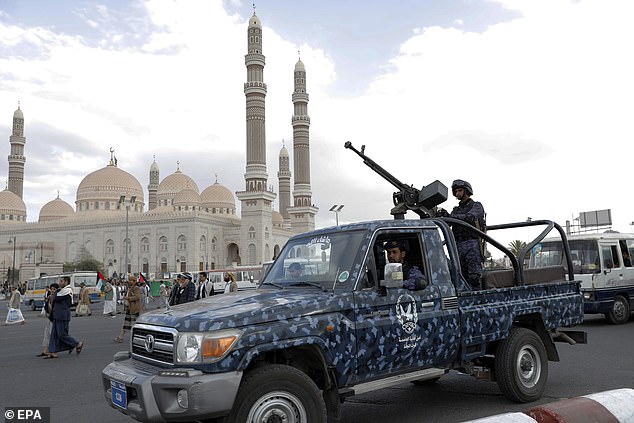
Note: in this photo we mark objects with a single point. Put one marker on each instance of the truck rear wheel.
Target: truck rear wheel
(620, 311)
(521, 366)
(278, 393)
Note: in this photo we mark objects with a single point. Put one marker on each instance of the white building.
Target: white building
(181, 228)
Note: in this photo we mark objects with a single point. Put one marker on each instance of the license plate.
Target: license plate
(119, 396)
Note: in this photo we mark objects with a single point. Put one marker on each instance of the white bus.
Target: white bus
(603, 264)
(36, 287)
(247, 277)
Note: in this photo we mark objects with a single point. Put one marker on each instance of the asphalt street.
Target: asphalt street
(71, 385)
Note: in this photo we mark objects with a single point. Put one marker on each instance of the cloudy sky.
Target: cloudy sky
(532, 101)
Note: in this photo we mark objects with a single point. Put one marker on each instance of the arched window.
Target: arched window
(163, 243)
(266, 232)
(181, 243)
(145, 245)
(109, 246)
(251, 232)
(214, 243)
(203, 244)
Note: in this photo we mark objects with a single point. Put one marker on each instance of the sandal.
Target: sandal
(118, 339)
(51, 356)
(42, 354)
(79, 347)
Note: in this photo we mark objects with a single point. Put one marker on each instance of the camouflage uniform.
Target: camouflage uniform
(410, 275)
(468, 245)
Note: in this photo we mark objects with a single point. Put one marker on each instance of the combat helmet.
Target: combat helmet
(459, 183)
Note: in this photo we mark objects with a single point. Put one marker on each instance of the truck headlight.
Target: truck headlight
(201, 347)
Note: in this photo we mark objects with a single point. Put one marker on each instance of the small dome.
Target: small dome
(254, 22)
(278, 219)
(187, 197)
(172, 185)
(283, 152)
(104, 188)
(12, 208)
(55, 210)
(154, 167)
(299, 66)
(218, 196)
(18, 114)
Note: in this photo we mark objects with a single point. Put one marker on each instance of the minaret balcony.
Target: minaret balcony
(17, 158)
(254, 59)
(300, 119)
(299, 96)
(255, 87)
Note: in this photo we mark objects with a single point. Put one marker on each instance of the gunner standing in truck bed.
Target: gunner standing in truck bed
(468, 244)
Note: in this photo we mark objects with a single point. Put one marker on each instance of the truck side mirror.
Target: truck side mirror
(393, 276)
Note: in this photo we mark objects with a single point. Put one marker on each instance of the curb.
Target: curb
(615, 406)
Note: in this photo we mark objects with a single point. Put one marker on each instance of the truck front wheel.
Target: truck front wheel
(521, 366)
(278, 393)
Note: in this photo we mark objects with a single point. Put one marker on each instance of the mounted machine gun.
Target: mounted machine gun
(420, 201)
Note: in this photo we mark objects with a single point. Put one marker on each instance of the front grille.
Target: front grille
(154, 343)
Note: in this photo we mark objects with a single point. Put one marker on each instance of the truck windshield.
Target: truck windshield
(316, 262)
(584, 254)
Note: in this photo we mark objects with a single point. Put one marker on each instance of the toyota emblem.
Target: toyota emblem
(149, 343)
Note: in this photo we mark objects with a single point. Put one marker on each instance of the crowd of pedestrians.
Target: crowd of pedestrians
(130, 298)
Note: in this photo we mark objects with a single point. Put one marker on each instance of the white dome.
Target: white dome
(172, 185)
(103, 188)
(12, 208)
(187, 197)
(218, 196)
(55, 209)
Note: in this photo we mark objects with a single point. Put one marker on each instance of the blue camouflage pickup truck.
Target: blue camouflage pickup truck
(296, 347)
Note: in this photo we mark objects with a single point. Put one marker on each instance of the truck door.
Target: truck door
(400, 329)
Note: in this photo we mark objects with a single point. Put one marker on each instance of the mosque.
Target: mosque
(179, 228)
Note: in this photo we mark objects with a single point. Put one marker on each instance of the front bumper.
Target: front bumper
(153, 398)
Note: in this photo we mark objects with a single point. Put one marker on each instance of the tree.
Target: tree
(516, 247)
(84, 262)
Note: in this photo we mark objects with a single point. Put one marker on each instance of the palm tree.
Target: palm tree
(516, 246)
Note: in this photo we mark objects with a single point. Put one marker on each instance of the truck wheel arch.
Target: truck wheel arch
(535, 323)
(308, 357)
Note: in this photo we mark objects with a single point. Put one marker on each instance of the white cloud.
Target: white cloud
(533, 111)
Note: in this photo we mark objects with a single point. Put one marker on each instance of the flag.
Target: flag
(142, 278)
(100, 279)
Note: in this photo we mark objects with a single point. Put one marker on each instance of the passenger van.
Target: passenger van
(36, 287)
(603, 264)
(247, 277)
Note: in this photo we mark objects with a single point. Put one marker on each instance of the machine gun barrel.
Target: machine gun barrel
(375, 167)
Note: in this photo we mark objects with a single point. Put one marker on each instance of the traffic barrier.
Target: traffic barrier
(616, 406)
(505, 418)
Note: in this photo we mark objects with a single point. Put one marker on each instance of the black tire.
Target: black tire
(521, 366)
(620, 311)
(278, 393)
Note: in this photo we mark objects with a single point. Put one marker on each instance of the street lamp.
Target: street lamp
(336, 209)
(127, 204)
(12, 241)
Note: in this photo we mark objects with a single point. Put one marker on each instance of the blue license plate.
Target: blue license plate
(119, 396)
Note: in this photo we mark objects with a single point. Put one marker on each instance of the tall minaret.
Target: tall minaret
(284, 178)
(152, 188)
(16, 158)
(303, 211)
(256, 199)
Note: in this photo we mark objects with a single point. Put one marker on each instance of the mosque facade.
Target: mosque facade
(179, 227)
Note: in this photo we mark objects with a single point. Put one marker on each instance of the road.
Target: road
(72, 387)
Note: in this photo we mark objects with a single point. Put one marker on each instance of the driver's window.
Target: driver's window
(403, 248)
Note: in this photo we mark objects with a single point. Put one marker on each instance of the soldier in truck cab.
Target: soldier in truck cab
(412, 276)
(469, 247)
